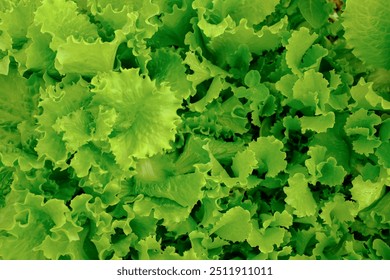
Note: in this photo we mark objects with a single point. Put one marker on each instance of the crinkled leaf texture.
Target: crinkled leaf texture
(146, 115)
(194, 129)
(367, 31)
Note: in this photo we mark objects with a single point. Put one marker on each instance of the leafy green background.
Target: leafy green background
(194, 129)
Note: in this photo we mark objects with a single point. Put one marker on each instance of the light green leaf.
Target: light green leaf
(225, 45)
(378, 216)
(243, 165)
(316, 12)
(169, 211)
(75, 128)
(266, 239)
(5, 47)
(58, 101)
(299, 196)
(64, 21)
(285, 86)
(331, 174)
(39, 56)
(167, 67)
(382, 249)
(311, 90)
(366, 97)
(362, 123)
(366, 192)
(252, 78)
(324, 168)
(361, 126)
(255, 11)
(85, 58)
(202, 70)
(234, 225)
(34, 220)
(318, 123)
(269, 155)
(298, 44)
(146, 115)
(313, 57)
(176, 22)
(185, 189)
(16, 21)
(336, 142)
(338, 210)
(217, 85)
(278, 219)
(366, 30)
(383, 152)
(105, 119)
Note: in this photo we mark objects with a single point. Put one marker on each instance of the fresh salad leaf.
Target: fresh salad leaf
(194, 129)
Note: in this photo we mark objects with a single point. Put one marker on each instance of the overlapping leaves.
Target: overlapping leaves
(193, 130)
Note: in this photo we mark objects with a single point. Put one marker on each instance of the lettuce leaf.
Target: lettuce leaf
(270, 158)
(144, 126)
(194, 129)
(298, 192)
(360, 20)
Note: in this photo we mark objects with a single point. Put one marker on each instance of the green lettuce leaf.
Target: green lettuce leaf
(338, 210)
(266, 239)
(194, 129)
(140, 130)
(300, 197)
(298, 45)
(173, 188)
(234, 225)
(315, 12)
(85, 58)
(318, 123)
(33, 221)
(167, 67)
(175, 23)
(360, 126)
(58, 101)
(323, 168)
(269, 155)
(366, 97)
(225, 46)
(65, 22)
(365, 30)
(366, 192)
(17, 108)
